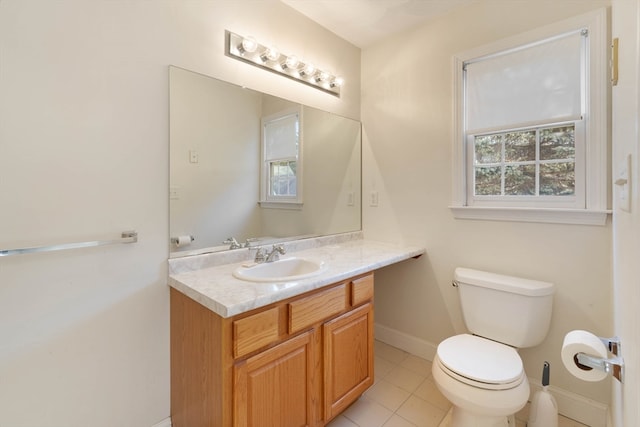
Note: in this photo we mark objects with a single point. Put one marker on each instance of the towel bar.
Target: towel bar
(126, 237)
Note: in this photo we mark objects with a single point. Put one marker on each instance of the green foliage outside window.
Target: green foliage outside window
(283, 178)
(530, 162)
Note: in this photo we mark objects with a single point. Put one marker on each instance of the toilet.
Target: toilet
(481, 372)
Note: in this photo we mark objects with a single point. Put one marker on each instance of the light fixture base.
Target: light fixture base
(318, 79)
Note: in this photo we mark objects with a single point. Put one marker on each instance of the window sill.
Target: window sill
(553, 216)
(281, 205)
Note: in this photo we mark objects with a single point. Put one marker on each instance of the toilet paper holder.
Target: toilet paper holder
(174, 240)
(613, 366)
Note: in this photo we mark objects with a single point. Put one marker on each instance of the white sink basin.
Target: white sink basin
(284, 270)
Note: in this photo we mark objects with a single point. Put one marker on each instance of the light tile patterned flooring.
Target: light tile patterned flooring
(404, 395)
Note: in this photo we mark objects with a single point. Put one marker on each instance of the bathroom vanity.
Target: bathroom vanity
(261, 354)
(290, 352)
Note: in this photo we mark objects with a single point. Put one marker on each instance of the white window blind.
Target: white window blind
(538, 83)
(281, 138)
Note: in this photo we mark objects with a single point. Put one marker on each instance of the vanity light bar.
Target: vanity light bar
(248, 50)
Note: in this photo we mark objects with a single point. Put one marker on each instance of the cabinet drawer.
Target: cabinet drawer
(254, 332)
(307, 311)
(362, 289)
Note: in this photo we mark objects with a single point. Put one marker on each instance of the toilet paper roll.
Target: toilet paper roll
(582, 342)
(183, 241)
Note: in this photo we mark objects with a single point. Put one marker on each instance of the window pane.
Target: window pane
(488, 181)
(557, 179)
(520, 180)
(282, 178)
(488, 149)
(510, 163)
(520, 146)
(557, 143)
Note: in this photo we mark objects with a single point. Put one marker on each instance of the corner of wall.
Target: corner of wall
(406, 342)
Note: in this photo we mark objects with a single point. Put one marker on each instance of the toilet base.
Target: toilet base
(461, 418)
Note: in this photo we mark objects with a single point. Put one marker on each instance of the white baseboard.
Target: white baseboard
(164, 423)
(570, 405)
(409, 343)
(575, 406)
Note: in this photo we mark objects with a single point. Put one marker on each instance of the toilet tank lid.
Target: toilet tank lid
(504, 283)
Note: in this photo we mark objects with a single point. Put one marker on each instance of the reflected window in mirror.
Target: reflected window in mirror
(282, 161)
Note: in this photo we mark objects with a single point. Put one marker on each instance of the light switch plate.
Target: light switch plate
(173, 193)
(193, 156)
(373, 201)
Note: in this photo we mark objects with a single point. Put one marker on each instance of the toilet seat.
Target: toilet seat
(480, 362)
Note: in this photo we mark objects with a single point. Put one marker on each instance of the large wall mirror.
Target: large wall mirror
(217, 168)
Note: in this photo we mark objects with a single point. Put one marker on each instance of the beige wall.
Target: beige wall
(407, 115)
(84, 145)
(216, 198)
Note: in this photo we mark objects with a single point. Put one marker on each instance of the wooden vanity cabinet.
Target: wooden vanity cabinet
(274, 387)
(348, 359)
(294, 363)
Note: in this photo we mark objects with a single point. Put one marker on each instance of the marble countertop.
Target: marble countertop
(216, 288)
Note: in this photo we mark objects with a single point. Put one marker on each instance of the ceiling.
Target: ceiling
(364, 22)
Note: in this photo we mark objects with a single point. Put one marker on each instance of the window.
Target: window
(282, 178)
(531, 167)
(281, 170)
(531, 133)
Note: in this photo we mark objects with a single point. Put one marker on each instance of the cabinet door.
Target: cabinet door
(274, 388)
(348, 358)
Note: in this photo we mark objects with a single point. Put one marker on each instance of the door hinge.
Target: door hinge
(614, 62)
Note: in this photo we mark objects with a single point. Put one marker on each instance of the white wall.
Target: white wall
(84, 155)
(626, 225)
(407, 112)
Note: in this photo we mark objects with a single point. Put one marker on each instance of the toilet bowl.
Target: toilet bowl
(484, 380)
(481, 372)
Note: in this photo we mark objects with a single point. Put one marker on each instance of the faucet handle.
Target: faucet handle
(233, 242)
(280, 248)
(260, 256)
(249, 241)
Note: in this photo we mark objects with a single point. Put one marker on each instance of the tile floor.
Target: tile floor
(404, 395)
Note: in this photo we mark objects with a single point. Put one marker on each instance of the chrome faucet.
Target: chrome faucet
(233, 242)
(259, 259)
(275, 253)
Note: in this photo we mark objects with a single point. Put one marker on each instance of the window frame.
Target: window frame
(274, 201)
(576, 201)
(596, 131)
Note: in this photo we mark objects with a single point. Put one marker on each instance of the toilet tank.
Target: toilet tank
(507, 309)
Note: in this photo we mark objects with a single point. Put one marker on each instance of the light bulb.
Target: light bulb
(249, 44)
(308, 69)
(271, 54)
(337, 82)
(322, 76)
(291, 62)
